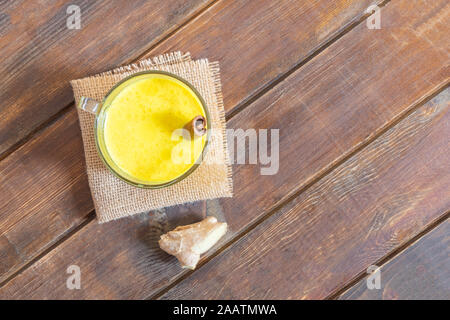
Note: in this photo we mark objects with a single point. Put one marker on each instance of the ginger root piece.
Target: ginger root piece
(187, 243)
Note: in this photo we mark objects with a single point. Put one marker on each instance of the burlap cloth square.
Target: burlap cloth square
(114, 198)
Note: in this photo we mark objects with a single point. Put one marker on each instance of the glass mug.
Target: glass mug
(101, 109)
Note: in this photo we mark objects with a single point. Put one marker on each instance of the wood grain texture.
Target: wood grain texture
(40, 54)
(337, 102)
(257, 42)
(64, 135)
(325, 109)
(422, 272)
(44, 193)
(361, 211)
(141, 232)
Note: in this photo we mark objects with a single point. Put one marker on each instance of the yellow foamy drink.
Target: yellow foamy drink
(142, 129)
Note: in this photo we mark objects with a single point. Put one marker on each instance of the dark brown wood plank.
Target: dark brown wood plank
(39, 54)
(422, 272)
(44, 193)
(39, 202)
(257, 42)
(326, 110)
(140, 232)
(365, 208)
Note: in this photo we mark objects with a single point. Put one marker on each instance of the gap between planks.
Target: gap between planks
(66, 109)
(393, 254)
(314, 53)
(90, 217)
(314, 180)
(239, 107)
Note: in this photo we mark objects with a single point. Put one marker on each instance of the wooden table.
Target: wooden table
(364, 175)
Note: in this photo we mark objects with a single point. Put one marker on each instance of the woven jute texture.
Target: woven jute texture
(114, 198)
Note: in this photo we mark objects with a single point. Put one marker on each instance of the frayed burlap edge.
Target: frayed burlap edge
(104, 212)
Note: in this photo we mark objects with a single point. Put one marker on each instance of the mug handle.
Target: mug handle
(89, 105)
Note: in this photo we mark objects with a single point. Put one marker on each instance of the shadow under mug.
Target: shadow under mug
(100, 109)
